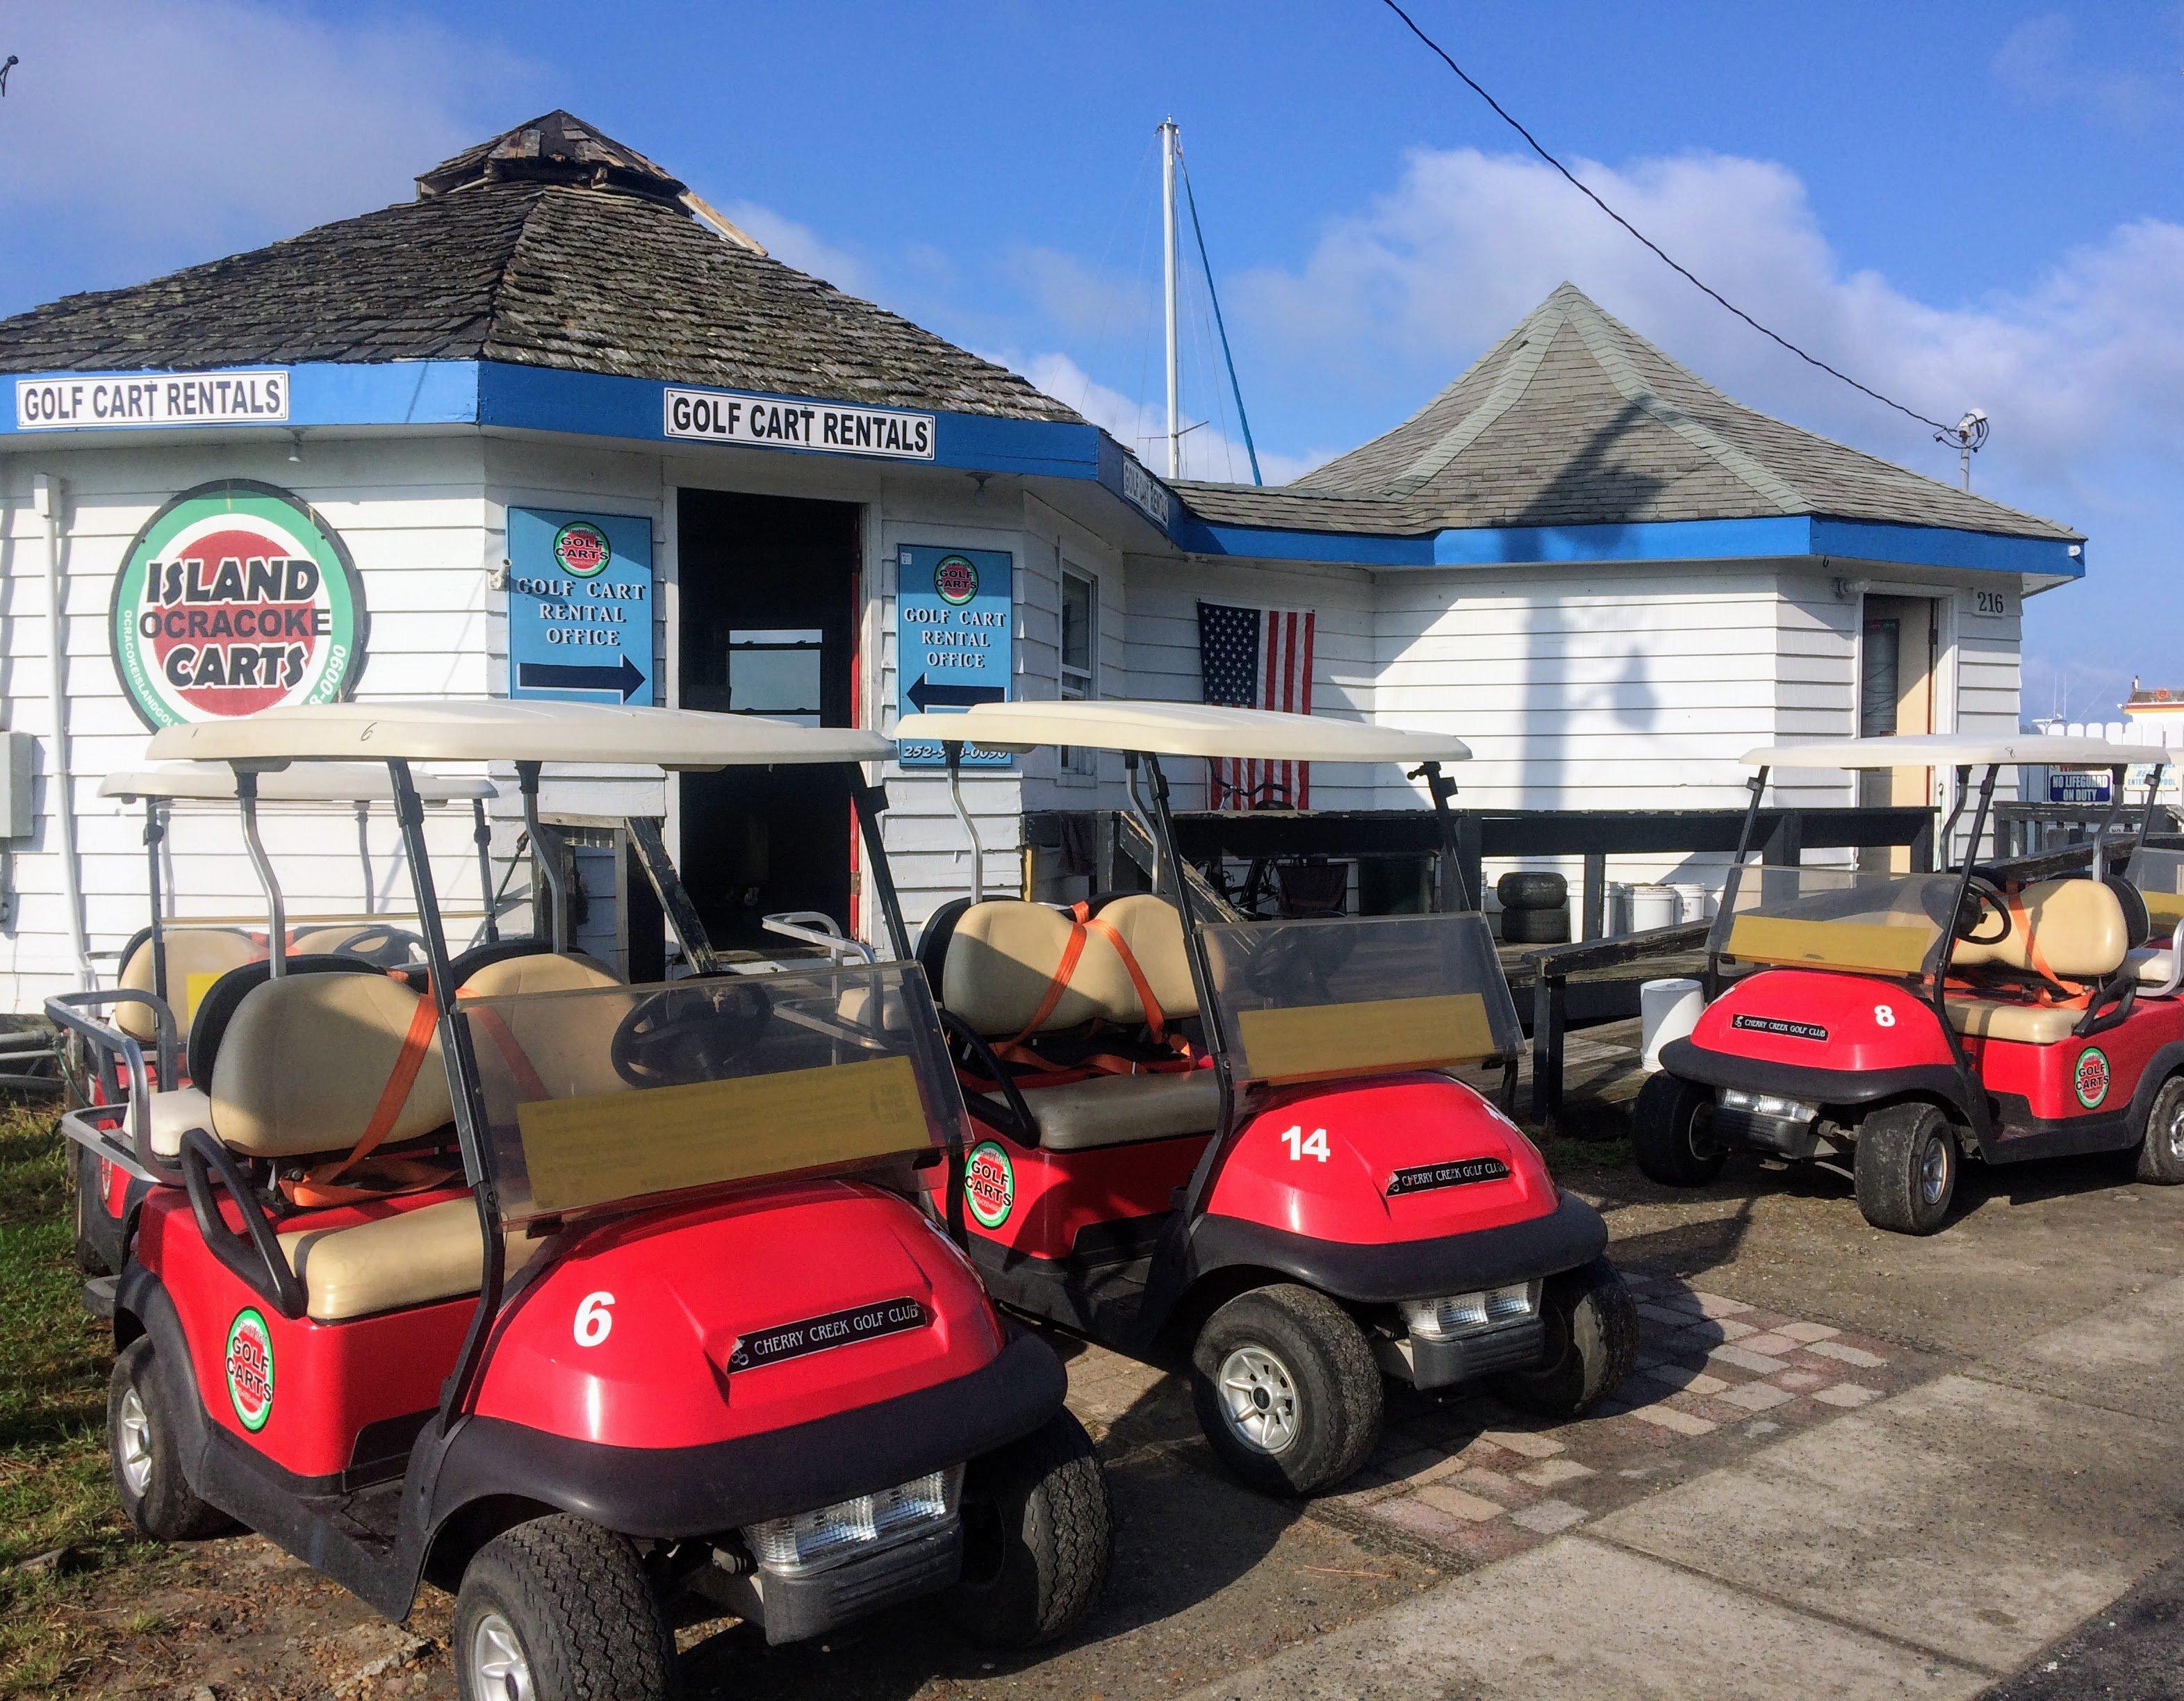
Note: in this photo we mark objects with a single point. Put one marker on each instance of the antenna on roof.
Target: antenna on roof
(1969, 437)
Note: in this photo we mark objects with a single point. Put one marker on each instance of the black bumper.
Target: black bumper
(1443, 1363)
(797, 1608)
(1570, 1234)
(677, 1494)
(1690, 1062)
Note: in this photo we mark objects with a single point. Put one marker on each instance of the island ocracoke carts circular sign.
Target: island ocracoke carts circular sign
(234, 597)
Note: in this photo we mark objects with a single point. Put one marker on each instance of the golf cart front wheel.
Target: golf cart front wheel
(145, 1453)
(1672, 1132)
(1037, 1532)
(558, 1609)
(1905, 1166)
(2161, 1148)
(1287, 1390)
(1591, 1324)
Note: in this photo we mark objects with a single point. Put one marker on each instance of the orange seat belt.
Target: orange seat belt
(1064, 971)
(1155, 1019)
(320, 1186)
(2072, 991)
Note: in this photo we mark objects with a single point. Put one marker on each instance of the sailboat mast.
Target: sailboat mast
(1167, 135)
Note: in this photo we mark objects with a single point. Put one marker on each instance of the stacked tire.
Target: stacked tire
(1534, 907)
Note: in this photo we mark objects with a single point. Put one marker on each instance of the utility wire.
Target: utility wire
(1190, 200)
(1532, 142)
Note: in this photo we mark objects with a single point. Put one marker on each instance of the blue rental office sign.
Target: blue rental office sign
(953, 639)
(580, 607)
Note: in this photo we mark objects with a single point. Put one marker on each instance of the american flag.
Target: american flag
(1257, 658)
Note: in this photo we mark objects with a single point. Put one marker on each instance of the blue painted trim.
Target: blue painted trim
(521, 398)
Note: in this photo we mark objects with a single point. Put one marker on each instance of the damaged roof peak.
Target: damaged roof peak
(554, 147)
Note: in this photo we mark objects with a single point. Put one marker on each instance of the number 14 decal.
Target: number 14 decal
(1302, 1145)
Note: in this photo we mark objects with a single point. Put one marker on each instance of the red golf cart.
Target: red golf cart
(1907, 1021)
(576, 1298)
(1242, 1134)
(165, 969)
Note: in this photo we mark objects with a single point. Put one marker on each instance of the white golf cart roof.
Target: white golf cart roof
(320, 782)
(1955, 750)
(1181, 729)
(441, 729)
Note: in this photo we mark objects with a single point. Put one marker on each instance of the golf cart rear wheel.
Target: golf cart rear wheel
(146, 1454)
(2161, 1147)
(1592, 1343)
(1286, 1388)
(559, 1609)
(1906, 1168)
(1037, 1532)
(1671, 1132)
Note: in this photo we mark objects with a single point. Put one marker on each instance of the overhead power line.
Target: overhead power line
(1950, 433)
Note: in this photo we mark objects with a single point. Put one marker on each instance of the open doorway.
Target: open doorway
(1896, 698)
(767, 598)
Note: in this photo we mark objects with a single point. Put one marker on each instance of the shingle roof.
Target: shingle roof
(1573, 418)
(549, 246)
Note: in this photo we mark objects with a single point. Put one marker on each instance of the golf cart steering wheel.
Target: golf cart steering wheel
(693, 1032)
(382, 946)
(1982, 897)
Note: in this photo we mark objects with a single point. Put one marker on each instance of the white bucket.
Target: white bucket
(1697, 902)
(1653, 906)
(1667, 1010)
(1617, 921)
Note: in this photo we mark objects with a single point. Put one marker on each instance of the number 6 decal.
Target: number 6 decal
(594, 1320)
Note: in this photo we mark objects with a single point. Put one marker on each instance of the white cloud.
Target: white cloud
(800, 246)
(1142, 427)
(158, 134)
(2039, 62)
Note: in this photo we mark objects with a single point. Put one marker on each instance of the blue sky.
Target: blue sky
(1964, 205)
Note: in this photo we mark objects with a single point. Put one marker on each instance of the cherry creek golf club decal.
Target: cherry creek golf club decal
(236, 596)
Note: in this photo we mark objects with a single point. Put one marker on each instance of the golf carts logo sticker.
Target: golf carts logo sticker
(817, 1334)
(1776, 1024)
(581, 550)
(989, 1183)
(2091, 1077)
(1464, 1172)
(234, 597)
(955, 580)
(250, 1359)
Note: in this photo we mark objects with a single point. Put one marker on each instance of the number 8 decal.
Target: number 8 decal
(1884, 1015)
(594, 1320)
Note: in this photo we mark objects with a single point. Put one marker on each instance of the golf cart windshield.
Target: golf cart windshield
(1833, 919)
(1314, 1000)
(606, 1096)
(2159, 874)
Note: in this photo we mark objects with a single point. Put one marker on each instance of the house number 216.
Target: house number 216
(1302, 1145)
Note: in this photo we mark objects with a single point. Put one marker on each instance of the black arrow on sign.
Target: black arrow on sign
(923, 694)
(624, 679)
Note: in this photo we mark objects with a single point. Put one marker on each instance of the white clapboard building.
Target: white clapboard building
(554, 427)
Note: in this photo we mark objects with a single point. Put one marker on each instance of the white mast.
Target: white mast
(1167, 135)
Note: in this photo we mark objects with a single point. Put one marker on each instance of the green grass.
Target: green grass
(55, 1490)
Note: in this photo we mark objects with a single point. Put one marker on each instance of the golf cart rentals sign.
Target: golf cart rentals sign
(777, 423)
(258, 397)
(249, 1363)
(580, 606)
(955, 642)
(234, 597)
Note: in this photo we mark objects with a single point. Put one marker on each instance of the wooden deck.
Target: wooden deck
(1600, 1077)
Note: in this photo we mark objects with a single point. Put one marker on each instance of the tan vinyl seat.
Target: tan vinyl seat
(2152, 966)
(1998, 1019)
(413, 1258)
(1118, 1110)
(565, 1044)
(543, 971)
(306, 1058)
(199, 955)
(1000, 961)
(2076, 925)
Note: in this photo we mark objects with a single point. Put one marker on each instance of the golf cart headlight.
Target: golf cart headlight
(1768, 1104)
(812, 1539)
(1468, 1313)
